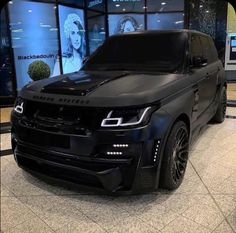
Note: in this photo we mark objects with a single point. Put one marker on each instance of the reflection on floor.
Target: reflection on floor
(205, 202)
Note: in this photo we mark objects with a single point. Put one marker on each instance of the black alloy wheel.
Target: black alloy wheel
(180, 155)
(175, 157)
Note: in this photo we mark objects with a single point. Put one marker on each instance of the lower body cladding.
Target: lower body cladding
(118, 161)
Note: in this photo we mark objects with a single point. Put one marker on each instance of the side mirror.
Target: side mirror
(198, 62)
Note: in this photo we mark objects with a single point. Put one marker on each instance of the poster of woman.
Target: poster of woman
(72, 34)
(125, 23)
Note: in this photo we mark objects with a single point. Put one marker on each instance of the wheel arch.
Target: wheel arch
(185, 118)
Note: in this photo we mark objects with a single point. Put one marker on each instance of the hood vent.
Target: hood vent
(75, 85)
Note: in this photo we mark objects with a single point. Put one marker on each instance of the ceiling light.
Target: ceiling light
(18, 30)
(124, 9)
(53, 29)
(29, 11)
(163, 3)
(45, 25)
(178, 22)
(117, 5)
(11, 2)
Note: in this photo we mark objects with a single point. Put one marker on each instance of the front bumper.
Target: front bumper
(78, 158)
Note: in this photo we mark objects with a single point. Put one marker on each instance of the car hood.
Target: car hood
(104, 88)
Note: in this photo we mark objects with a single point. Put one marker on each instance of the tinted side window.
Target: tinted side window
(207, 50)
(214, 52)
(195, 47)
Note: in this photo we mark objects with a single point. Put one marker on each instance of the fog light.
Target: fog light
(114, 153)
(118, 150)
(120, 145)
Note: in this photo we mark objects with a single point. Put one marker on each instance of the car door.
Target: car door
(198, 76)
(211, 70)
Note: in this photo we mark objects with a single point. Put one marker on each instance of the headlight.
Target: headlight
(19, 105)
(124, 118)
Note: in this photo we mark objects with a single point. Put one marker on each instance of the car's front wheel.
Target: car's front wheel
(175, 157)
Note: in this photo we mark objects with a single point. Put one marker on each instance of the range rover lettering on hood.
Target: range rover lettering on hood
(81, 83)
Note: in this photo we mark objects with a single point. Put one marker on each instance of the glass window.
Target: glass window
(91, 14)
(96, 29)
(196, 47)
(213, 49)
(6, 74)
(72, 35)
(165, 5)
(165, 21)
(98, 5)
(125, 23)
(78, 3)
(34, 40)
(126, 5)
(150, 51)
(207, 50)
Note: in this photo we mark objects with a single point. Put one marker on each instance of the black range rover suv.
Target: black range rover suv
(125, 120)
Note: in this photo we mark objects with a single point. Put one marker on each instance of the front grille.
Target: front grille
(61, 118)
(43, 139)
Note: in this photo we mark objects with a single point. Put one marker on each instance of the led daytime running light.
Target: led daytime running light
(118, 120)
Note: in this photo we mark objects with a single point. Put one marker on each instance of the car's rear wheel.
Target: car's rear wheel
(175, 157)
(221, 110)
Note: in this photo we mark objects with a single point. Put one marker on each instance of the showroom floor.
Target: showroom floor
(205, 202)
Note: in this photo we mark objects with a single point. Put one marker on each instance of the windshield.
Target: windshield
(162, 52)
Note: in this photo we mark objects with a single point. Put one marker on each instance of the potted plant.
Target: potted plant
(38, 70)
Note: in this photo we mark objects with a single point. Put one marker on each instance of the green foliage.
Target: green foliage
(38, 70)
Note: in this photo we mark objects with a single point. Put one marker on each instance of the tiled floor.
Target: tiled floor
(205, 202)
(231, 91)
(5, 114)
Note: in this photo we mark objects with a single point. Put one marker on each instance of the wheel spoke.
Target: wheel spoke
(178, 171)
(185, 145)
(183, 150)
(181, 137)
(182, 160)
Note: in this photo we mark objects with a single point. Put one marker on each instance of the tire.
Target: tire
(219, 117)
(175, 157)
